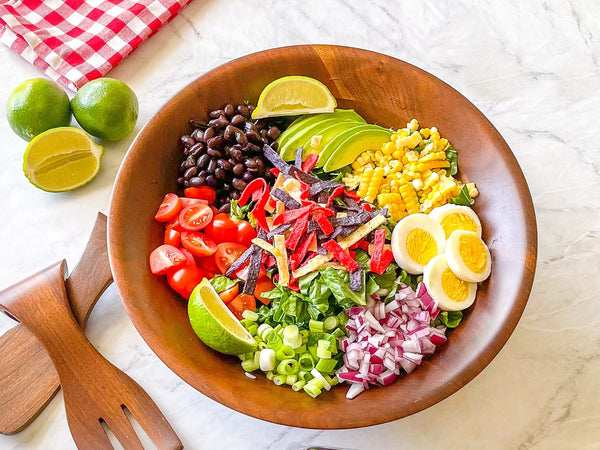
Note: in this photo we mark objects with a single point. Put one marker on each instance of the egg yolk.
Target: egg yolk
(454, 287)
(458, 221)
(421, 246)
(472, 251)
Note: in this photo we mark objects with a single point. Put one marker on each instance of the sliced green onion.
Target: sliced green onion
(250, 315)
(291, 332)
(274, 341)
(332, 380)
(304, 375)
(300, 349)
(291, 379)
(325, 365)
(249, 365)
(316, 326)
(312, 349)
(262, 345)
(252, 329)
(279, 379)
(298, 385)
(270, 375)
(306, 361)
(264, 331)
(304, 334)
(288, 366)
(267, 360)
(311, 390)
(284, 352)
(338, 333)
(342, 319)
(316, 382)
(323, 353)
(246, 323)
(319, 376)
(329, 323)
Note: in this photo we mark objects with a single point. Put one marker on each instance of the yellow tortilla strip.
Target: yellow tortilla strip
(318, 261)
(265, 246)
(282, 259)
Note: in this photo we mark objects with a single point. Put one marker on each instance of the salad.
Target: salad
(316, 247)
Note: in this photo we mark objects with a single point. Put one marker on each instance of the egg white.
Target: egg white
(432, 277)
(457, 263)
(442, 213)
(401, 232)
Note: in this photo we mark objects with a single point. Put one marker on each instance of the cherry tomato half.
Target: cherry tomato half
(190, 260)
(227, 253)
(191, 201)
(197, 243)
(263, 285)
(169, 208)
(222, 229)
(204, 192)
(242, 272)
(241, 303)
(208, 265)
(195, 217)
(229, 294)
(245, 232)
(183, 280)
(172, 237)
(165, 257)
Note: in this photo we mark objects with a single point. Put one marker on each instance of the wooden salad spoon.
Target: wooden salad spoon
(28, 379)
(95, 392)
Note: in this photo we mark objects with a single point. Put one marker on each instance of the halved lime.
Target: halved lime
(62, 159)
(215, 324)
(292, 96)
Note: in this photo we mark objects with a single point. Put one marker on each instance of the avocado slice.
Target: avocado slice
(333, 144)
(327, 134)
(288, 149)
(309, 119)
(347, 151)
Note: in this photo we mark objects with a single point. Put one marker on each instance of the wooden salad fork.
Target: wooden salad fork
(94, 390)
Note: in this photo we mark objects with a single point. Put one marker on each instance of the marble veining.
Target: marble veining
(533, 68)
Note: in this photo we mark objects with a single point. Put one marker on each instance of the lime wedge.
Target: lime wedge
(292, 96)
(215, 325)
(62, 159)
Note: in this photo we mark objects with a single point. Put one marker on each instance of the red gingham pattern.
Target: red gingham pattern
(75, 41)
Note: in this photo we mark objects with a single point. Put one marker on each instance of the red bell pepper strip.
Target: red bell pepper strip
(377, 254)
(271, 261)
(325, 211)
(310, 162)
(352, 195)
(363, 245)
(323, 222)
(256, 188)
(297, 231)
(366, 207)
(292, 214)
(336, 192)
(341, 255)
(274, 171)
(297, 257)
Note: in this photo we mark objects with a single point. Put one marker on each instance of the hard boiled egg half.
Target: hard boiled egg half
(468, 256)
(455, 217)
(451, 293)
(417, 239)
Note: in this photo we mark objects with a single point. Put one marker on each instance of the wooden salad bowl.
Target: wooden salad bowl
(385, 91)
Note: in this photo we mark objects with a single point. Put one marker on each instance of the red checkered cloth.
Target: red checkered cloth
(75, 41)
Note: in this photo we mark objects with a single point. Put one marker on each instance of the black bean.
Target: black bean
(250, 126)
(186, 183)
(214, 153)
(238, 169)
(250, 147)
(195, 182)
(220, 173)
(236, 154)
(203, 161)
(247, 177)
(239, 184)
(238, 119)
(229, 110)
(212, 165)
(263, 135)
(216, 113)
(197, 149)
(235, 195)
(221, 122)
(223, 164)
(209, 133)
(211, 181)
(191, 172)
(187, 140)
(229, 133)
(250, 109)
(240, 137)
(260, 165)
(225, 208)
(190, 161)
(273, 133)
(216, 142)
(274, 145)
(244, 111)
(197, 123)
(181, 180)
(198, 135)
(251, 163)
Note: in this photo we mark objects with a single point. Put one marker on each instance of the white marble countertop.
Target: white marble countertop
(533, 68)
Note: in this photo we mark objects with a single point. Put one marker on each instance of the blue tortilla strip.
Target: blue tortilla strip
(298, 157)
(312, 226)
(286, 198)
(320, 186)
(353, 218)
(302, 176)
(253, 271)
(279, 230)
(241, 260)
(276, 160)
(356, 279)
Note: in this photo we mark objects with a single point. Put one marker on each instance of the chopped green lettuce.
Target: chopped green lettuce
(222, 283)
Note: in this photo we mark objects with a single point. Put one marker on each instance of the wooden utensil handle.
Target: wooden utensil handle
(40, 303)
(92, 275)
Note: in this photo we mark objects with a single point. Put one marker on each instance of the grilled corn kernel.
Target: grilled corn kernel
(365, 181)
(409, 197)
(373, 187)
(473, 191)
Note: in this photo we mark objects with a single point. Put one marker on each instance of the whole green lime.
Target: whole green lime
(36, 105)
(106, 108)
